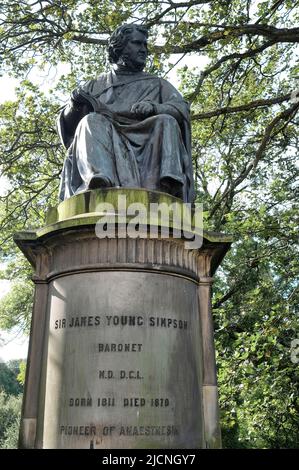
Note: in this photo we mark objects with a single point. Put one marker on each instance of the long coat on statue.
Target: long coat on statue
(114, 145)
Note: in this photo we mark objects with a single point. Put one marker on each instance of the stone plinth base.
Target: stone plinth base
(121, 349)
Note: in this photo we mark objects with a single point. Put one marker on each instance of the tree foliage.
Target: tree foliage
(242, 87)
(9, 377)
(10, 413)
(11, 388)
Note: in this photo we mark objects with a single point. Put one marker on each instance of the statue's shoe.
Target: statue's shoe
(99, 182)
(172, 187)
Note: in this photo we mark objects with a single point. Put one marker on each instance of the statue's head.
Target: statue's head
(128, 46)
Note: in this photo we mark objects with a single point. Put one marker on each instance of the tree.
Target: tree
(10, 413)
(245, 140)
(11, 388)
(9, 373)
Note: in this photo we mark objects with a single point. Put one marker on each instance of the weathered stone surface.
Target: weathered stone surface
(122, 365)
(95, 382)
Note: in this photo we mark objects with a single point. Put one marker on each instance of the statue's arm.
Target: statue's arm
(168, 109)
(171, 103)
(79, 106)
(72, 115)
(145, 109)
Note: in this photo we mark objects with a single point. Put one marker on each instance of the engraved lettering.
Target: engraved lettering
(80, 402)
(131, 374)
(133, 402)
(106, 374)
(80, 430)
(83, 321)
(120, 347)
(124, 320)
(149, 431)
(106, 401)
(163, 322)
(61, 323)
(159, 402)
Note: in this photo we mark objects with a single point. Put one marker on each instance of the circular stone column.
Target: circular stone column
(121, 347)
(123, 361)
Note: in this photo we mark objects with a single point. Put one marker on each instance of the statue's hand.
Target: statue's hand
(143, 109)
(78, 96)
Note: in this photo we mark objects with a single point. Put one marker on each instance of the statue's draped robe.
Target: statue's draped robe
(117, 146)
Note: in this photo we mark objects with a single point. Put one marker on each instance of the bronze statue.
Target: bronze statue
(127, 128)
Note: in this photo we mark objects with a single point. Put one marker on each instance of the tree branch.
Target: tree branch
(174, 6)
(244, 107)
(240, 56)
(273, 34)
(285, 115)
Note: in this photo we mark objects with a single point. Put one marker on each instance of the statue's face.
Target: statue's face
(134, 53)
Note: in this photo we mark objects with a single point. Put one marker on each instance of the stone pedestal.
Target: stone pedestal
(121, 348)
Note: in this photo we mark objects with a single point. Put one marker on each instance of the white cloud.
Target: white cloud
(13, 345)
(7, 88)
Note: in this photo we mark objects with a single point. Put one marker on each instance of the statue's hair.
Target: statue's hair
(119, 39)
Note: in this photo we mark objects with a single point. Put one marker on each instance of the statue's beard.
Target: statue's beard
(125, 61)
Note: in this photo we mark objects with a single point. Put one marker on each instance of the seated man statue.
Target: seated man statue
(127, 128)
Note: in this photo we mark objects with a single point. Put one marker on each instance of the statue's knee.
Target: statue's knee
(91, 121)
(84, 121)
(167, 119)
